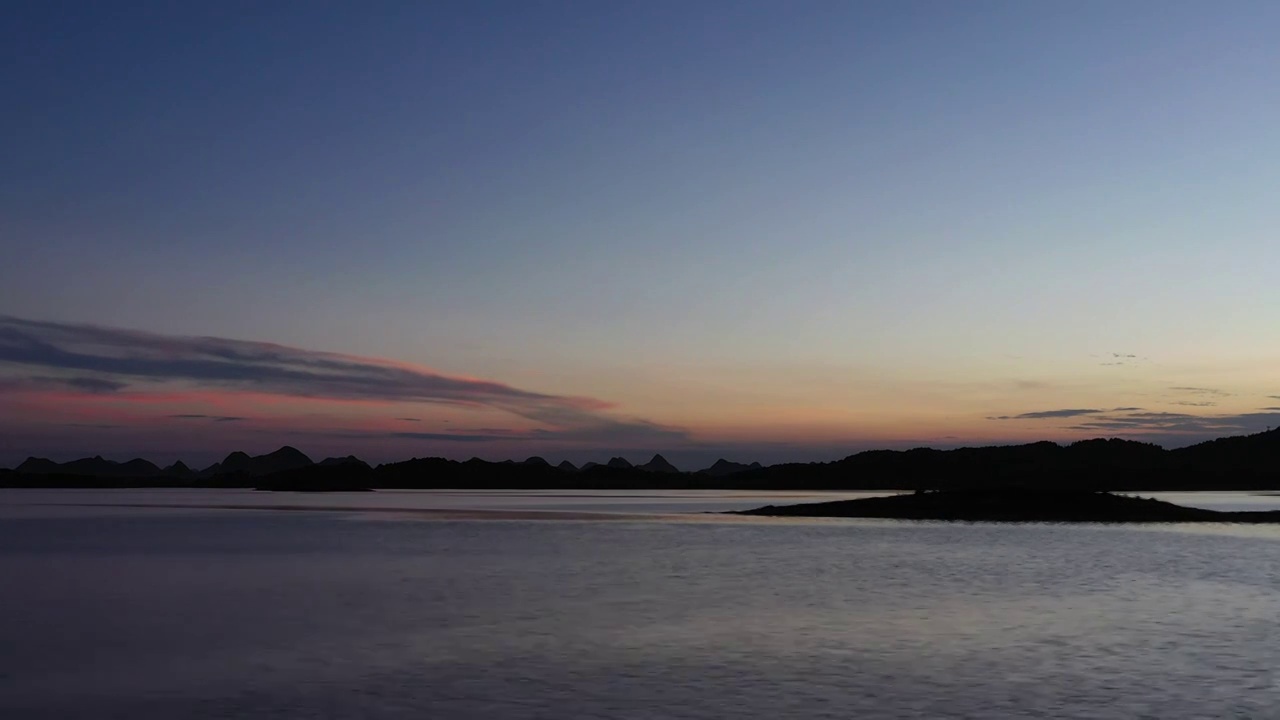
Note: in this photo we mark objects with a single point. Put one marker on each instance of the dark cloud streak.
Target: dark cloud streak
(81, 384)
(127, 356)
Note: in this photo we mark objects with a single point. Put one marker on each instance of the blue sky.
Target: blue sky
(826, 225)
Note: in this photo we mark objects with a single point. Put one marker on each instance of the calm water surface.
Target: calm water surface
(622, 605)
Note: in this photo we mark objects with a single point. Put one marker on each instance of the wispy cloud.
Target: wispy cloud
(601, 434)
(1157, 426)
(1146, 423)
(81, 384)
(604, 434)
(211, 418)
(101, 359)
(1209, 392)
(1045, 414)
(1122, 358)
(452, 437)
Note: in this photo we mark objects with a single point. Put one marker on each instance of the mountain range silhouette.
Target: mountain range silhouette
(235, 464)
(1239, 462)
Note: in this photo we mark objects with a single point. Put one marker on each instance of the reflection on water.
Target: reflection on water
(162, 613)
(594, 501)
(631, 502)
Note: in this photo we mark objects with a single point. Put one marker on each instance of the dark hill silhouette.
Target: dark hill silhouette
(236, 462)
(535, 460)
(233, 471)
(567, 466)
(658, 464)
(1014, 504)
(239, 463)
(1246, 462)
(137, 467)
(37, 466)
(286, 458)
(179, 470)
(91, 467)
(348, 460)
(723, 467)
(1232, 456)
(1249, 462)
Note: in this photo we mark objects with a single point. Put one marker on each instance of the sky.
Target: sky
(761, 230)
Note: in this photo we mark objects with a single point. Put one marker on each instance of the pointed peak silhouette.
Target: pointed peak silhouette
(179, 470)
(659, 464)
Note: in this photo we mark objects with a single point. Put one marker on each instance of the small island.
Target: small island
(1015, 504)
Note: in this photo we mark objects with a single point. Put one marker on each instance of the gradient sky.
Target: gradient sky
(768, 230)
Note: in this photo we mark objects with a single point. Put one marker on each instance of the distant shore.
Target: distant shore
(1016, 504)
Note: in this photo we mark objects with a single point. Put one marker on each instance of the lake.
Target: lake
(435, 604)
